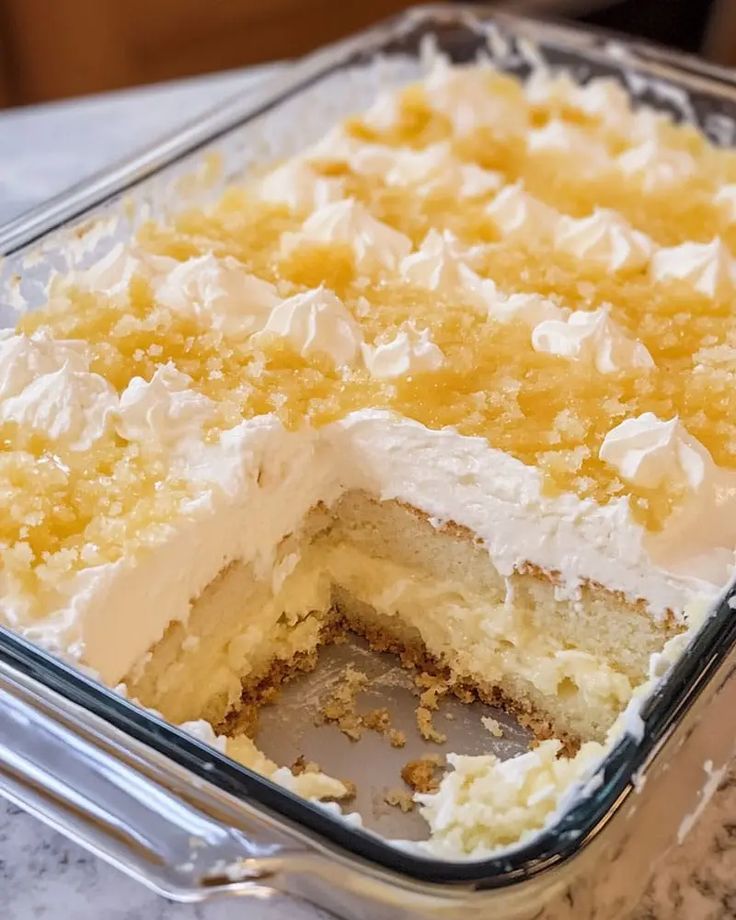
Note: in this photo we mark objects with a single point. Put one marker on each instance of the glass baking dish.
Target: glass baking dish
(187, 820)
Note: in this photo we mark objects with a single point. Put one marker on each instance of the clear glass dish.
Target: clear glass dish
(185, 819)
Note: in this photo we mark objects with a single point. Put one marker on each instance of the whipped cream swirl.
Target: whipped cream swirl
(516, 213)
(298, 186)
(220, 292)
(317, 322)
(705, 267)
(165, 412)
(375, 245)
(408, 352)
(593, 338)
(604, 239)
(656, 166)
(45, 386)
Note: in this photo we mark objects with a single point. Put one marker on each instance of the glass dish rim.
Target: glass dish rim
(685, 681)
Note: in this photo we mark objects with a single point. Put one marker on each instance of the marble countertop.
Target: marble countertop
(43, 150)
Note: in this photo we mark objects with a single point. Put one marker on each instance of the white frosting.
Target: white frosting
(517, 213)
(648, 452)
(562, 138)
(530, 309)
(164, 412)
(604, 239)
(431, 169)
(114, 271)
(111, 614)
(466, 98)
(45, 385)
(298, 186)
(725, 201)
(706, 267)
(220, 292)
(700, 535)
(24, 358)
(317, 322)
(384, 113)
(375, 245)
(408, 352)
(602, 98)
(657, 167)
(591, 337)
(441, 264)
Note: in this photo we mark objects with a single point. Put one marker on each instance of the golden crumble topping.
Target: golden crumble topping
(541, 408)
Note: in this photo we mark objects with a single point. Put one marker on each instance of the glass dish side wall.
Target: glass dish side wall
(78, 227)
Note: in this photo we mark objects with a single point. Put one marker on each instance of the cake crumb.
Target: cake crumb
(302, 765)
(493, 726)
(421, 774)
(339, 707)
(426, 726)
(400, 798)
(379, 720)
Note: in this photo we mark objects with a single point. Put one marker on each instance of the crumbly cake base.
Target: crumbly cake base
(431, 595)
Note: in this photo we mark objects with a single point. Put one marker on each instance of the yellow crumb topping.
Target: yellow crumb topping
(542, 409)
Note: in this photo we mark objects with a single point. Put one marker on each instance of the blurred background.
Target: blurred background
(52, 49)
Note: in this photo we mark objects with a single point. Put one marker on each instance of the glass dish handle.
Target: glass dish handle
(183, 837)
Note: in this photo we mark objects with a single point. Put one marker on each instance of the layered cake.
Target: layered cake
(459, 378)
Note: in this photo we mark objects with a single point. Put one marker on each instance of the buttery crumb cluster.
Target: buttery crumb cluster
(539, 265)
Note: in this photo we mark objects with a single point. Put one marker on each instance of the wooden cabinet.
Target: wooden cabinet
(55, 48)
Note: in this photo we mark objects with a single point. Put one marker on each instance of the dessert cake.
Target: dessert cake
(459, 377)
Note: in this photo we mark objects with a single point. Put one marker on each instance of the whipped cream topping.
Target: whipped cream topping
(375, 244)
(464, 97)
(530, 309)
(517, 213)
(441, 264)
(220, 292)
(384, 113)
(725, 201)
(165, 412)
(112, 273)
(656, 166)
(45, 385)
(298, 186)
(604, 239)
(602, 98)
(436, 168)
(705, 267)
(562, 138)
(647, 451)
(23, 358)
(408, 352)
(591, 337)
(700, 534)
(317, 322)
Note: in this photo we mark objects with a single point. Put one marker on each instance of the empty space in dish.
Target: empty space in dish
(288, 728)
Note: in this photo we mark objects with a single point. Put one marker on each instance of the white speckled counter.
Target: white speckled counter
(43, 150)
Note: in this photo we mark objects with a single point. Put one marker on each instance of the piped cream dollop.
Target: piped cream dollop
(465, 96)
(516, 213)
(705, 267)
(530, 309)
(647, 451)
(604, 239)
(408, 352)
(725, 201)
(591, 337)
(298, 186)
(564, 139)
(220, 292)
(656, 166)
(375, 245)
(441, 264)
(165, 411)
(46, 386)
(317, 322)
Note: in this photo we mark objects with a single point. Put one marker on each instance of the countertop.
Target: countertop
(43, 150)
